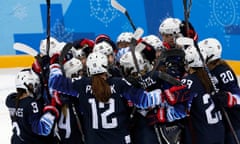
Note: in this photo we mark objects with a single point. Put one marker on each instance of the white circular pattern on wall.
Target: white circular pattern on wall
(223, 12)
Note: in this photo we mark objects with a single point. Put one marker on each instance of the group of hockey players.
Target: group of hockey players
(140, 91)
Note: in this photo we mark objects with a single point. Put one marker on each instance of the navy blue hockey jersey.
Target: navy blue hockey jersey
(70, 124)
(205, 121)
(104, 122)
(226, 80)
(25, 121)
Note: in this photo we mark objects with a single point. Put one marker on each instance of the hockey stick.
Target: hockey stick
(136, 36)
(25, 48)
(187, 13)
(48, 25)
(123, 10)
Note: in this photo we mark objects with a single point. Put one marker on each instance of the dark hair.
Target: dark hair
(204, 78)
(101, 88)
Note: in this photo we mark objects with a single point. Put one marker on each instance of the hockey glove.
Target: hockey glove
(172, 94)
(225, 99)
(54, 59)
(52, 109)
(155, 116)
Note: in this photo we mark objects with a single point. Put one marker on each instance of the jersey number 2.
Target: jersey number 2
(212, 117)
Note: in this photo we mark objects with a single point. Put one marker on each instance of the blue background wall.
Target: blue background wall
(25, 20)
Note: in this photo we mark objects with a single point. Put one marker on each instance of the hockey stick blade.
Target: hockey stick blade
(118, 6)
(138, 33)
(123, 10)
(25, 48)
(182, 41)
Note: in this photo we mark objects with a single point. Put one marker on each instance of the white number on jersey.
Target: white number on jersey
(64, 123)
(35, 107)
(227, 76)
(212, 117)
(105, 124)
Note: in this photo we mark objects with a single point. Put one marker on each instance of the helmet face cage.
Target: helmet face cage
(170, 26)
(125, 37)
(103, 47)
(192, 57)
(153, 41)
(73, 67)
(97, 63)
(28, 80)
(128, 65)
(212, 47)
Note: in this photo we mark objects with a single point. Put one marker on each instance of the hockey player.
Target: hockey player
(101, 99)
(31, 122)
(155, 42)
(145, 131)
(106, 48)
(123, 42)
(170, 30)
(227, 83)
(205, 124)
(41, 64)
(69, 127)
(124, 39)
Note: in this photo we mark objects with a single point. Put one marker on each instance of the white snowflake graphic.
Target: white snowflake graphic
(62, 33)
(19, 11)
(223, 13)
(103, 11)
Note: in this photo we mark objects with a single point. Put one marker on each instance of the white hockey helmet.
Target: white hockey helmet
(212, 47)
(78, 53)
(127, 62)
(58, 49)
(53, 46)
(170, 26)
(97, 63)
(192, 57)
(25, 78)
(125, 37)
(103, 47)
(153, 41)
(72, 66)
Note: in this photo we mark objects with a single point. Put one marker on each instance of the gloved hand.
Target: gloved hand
(54, 58)
(225, 99)
(36, 67)
(157, 115)
(133, 81)
(172, 94)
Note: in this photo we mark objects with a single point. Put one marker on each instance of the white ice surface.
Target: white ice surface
(7, 78)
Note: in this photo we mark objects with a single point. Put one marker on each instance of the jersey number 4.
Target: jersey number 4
(104, 116)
